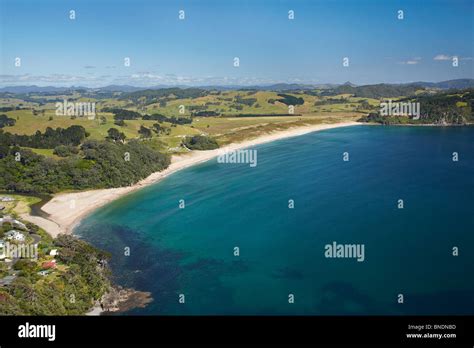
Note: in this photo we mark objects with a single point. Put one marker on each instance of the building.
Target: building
(48, 264)
(53, 252)
(6, 199)
(15, 235)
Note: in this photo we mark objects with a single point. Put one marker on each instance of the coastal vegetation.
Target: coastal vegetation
(451, 107)
(78, 277)
(41, 275)
(97, 164)
(134, 133)
(199, 142)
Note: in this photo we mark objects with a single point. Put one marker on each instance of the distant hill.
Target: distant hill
(153, 95)
(366, 91)
(120, 88)
(37, 89)
(374, 91)
(451, 84)
(278, 87)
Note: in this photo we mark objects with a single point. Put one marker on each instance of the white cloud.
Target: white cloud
(55, 79)
(442, 57)
(412, 61)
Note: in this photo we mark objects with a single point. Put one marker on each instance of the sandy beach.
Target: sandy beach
(67, 209)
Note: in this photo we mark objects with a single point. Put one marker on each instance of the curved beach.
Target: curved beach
(66, 210)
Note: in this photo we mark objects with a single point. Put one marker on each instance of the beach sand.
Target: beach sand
(67, 209)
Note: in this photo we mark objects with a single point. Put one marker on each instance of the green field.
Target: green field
(40, 113)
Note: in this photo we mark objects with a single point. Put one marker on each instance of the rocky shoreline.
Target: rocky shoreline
(119, 299)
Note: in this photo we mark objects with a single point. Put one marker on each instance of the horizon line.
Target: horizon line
(308, 84)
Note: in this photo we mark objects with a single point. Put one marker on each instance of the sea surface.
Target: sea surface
(281, 251)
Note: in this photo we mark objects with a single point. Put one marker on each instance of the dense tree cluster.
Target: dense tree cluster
(123, 114)
(51, 138)
(172, 119)
(290, 100)
(115, 135)
(8, 108)
(200, 142)
(206, 113)
(441, 108)
(330, 101)
(101, 164)
(65, 150)
(145, 132)
(6, 121)
(246, 101)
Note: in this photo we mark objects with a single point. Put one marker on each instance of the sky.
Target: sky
(200, 50)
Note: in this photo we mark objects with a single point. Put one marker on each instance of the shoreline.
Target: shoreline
(66, 210)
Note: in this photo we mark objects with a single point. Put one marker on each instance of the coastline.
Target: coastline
(66, 210)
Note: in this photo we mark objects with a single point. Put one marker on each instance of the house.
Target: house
(53, 252)
(48, 264)
(15, 235)
(6, 199)
(20, 224)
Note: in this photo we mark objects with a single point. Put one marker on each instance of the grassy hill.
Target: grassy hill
(263, 110)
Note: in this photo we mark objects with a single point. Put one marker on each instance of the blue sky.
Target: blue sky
(199, 50)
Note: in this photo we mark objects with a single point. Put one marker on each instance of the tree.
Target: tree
(115, 135)
(6, 121)
(120, 123)
(157, 128)
(200, 142)
(65, 150)
(145, 132)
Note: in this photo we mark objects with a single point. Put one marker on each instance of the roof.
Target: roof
(49, 264)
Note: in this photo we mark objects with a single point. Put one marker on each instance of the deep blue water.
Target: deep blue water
(408, 251)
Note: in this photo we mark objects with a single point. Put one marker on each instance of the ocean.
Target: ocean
(363, 220)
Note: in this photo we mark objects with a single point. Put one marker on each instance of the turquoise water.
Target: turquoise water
(408, 251)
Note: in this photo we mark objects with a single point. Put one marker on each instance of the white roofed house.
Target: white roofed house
(15, 235)
(6, 199)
